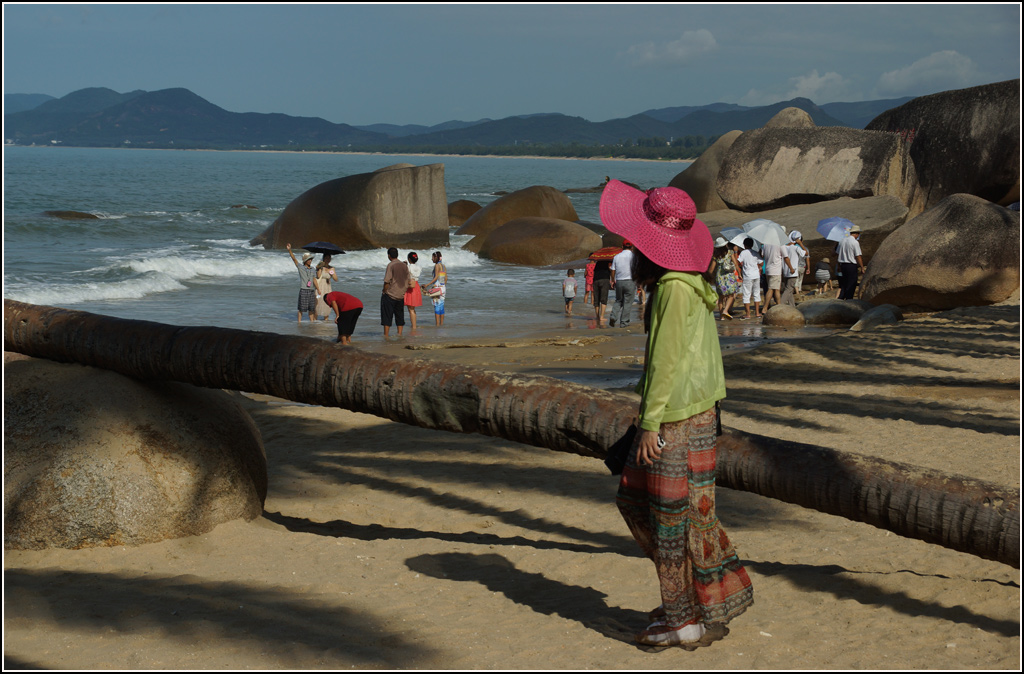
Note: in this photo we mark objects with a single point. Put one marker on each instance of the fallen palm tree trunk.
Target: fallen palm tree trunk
(972, 516)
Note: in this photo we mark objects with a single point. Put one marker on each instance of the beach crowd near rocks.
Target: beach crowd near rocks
(931, 185)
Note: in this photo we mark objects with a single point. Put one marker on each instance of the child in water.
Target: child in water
(569, 290)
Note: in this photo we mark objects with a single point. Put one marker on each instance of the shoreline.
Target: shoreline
(368, 154)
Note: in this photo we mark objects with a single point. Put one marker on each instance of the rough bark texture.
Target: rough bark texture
(963, 514)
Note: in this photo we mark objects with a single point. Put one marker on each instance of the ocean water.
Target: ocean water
(171, 245)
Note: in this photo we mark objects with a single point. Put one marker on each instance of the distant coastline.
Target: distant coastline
(383, 154)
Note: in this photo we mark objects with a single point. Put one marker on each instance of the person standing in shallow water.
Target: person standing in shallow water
(667, 491)
(324, 274)
(392, 296)
(307, 279)
(437, 288)
(413, 296)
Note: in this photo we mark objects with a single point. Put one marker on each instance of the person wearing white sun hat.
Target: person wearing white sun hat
(667, 491)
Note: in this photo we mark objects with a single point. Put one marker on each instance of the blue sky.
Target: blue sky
(427, 63)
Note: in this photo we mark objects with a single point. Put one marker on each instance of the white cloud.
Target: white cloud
(940, 71)
(826, 88)
(693, 43)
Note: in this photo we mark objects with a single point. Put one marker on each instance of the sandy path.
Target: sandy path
(387, 546)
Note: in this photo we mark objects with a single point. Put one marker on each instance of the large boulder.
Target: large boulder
(536, 241)
(93, 458)
(460, 211)
(699, 180)
(402, 206)
(539, 201)
(833, 312)
(783, 315)
(877, 217)
(772, 168)
(963, 252)
(963, 141)
(790, 118)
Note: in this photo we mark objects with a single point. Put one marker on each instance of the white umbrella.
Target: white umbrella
(766, 232)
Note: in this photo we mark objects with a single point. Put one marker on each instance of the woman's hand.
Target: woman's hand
(647, 451)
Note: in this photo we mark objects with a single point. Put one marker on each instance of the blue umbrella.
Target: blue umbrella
(835, 228)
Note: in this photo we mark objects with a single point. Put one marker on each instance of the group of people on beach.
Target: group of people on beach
(743, 272)
(779, 272)
(401, 289)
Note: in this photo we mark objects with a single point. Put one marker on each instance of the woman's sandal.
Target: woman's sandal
(659, 635)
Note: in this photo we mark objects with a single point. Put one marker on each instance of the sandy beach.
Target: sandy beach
(385, 546)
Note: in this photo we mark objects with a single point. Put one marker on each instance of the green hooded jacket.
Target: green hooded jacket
(683, 374)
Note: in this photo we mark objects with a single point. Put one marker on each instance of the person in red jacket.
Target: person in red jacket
(347, 310)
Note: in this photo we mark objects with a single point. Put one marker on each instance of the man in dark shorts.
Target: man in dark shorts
(347, 309)
(392, 297)
(602, 283)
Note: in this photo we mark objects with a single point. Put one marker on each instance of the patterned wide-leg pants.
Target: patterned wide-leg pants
(670, 509)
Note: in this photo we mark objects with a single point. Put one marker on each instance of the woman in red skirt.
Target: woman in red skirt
(413, 296)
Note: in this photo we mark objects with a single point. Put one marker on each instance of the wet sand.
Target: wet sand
(385, 546)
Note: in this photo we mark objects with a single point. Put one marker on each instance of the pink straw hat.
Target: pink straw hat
(662, 223)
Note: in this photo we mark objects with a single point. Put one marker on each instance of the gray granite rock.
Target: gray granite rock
(964, 141)
(93, 458)
(536, 242)
(963, 252)
(538, 201)
(402, 206)
(886, 314)
(776, 167)
(833, 312)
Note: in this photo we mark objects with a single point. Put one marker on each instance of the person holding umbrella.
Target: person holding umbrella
(667, 490)
(307, 277)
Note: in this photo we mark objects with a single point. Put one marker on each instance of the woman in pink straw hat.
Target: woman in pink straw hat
(667, 491)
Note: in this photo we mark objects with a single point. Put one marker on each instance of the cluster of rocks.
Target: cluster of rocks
(927, 182)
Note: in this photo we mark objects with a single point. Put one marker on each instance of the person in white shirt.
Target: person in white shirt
(850, 262)
(751, 265)
(803, 264)
(775, 263)
(625, 288)
(790, 272)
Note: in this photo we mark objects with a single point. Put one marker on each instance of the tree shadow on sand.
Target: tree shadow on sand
(375, 532)
(284, 625)
(829, 579)
(584, 605)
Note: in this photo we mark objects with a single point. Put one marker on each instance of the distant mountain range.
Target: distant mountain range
(179, 118)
